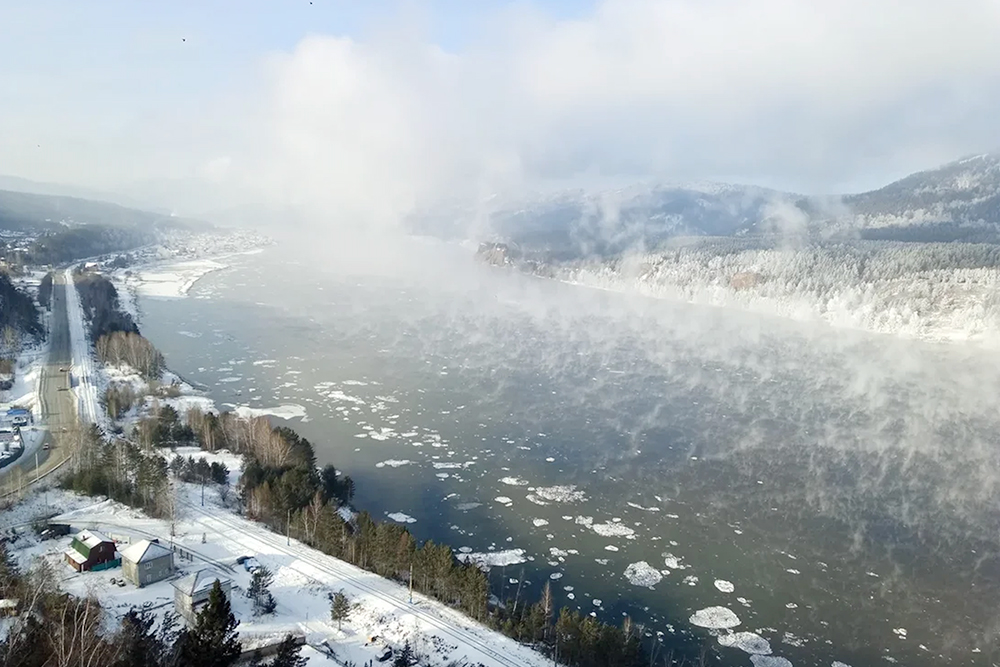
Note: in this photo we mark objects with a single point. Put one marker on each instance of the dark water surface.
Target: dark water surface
(845, 485)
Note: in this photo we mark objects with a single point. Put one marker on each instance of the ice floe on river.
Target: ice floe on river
(393, 463)
(643, 574)
(715, 618)
(769, 661)
(749, 642)
(613, 530)
(490, 559)
(724, 586)
(289, 411)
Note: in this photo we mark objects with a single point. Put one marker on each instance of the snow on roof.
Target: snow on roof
(144, 551)
(92, 538)
(200, 581)
(76, 556)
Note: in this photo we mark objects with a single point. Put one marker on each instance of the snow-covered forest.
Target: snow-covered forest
(934, 291)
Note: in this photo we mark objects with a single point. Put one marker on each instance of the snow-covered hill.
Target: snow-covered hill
(926, 291)
(959, 201)
(941, 202)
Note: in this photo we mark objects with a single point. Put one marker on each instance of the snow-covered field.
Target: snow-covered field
(304, 578)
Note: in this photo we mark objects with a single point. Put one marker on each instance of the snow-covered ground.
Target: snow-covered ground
(27, 374)
(173, 279)
(303, 580)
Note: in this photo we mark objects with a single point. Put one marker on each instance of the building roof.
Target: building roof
(200, 581)
(92, 538)
(76, 556)
(144, 551)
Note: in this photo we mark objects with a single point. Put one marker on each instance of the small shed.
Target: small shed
(191, 592)
(91, 550)
(9, 606)
(147, 562)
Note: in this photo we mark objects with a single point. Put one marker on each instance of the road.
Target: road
(57, 404)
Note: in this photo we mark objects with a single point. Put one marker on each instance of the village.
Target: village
(127, 560)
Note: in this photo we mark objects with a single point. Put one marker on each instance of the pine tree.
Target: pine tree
(405, 656)
(260, 582)
(289, 654)
(137, 644)
(213, 642)
(340, 608)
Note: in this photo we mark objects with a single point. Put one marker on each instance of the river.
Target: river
(837, 491)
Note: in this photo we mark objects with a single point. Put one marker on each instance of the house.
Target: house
(147, 562)
(191, 592)
(90, 550)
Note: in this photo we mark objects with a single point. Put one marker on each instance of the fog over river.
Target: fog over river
(837, 492)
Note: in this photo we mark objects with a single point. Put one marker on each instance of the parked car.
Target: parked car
(385, 654)
(249, 563)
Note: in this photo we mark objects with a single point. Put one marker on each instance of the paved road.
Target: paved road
(57, 404)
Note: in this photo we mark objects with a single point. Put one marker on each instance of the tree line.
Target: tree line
(53, 628)
(45, 291)
(72, 243)
(101, 305)
(114, 333)
(282, 487)
(17, 310)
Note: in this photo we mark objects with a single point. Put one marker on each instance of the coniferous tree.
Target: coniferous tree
(138, 644)
(289, 654)
(213, 642)
(340, 608)
(405, 656)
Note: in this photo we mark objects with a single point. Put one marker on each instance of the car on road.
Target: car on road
(45, 447)
(64, 370)
(63, 388)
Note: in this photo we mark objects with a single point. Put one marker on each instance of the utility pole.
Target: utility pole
(36, 465)
(411, 582)
(203, 490)
(288, 528)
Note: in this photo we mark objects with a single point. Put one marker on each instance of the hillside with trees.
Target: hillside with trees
(933, 291)
(67, 244)
(18, 312)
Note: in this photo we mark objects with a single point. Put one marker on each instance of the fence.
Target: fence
(107, 565)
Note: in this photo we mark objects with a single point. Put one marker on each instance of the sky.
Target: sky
(374, 108)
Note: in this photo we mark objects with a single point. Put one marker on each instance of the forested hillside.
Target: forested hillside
(931, 291)
(72, 243)
(17, 310)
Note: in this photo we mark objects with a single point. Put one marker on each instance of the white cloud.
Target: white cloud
(793, 93)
